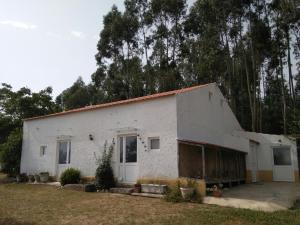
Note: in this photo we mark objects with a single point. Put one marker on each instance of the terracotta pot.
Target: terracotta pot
(217, 193)
(186, 192)
(137, 188)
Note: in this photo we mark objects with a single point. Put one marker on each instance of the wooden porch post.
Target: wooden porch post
(203, 162)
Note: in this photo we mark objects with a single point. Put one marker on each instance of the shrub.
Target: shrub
(70, 176)
(24, 177)
(10, 153)
(173, 193)
(104, 173)
(90, 188)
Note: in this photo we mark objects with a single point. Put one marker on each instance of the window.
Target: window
(121, 149)
(43, 150)
(64, 148)
(154, 143)
(282, 156)
(131, 149)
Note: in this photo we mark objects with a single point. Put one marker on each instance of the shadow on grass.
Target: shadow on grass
(11, 221)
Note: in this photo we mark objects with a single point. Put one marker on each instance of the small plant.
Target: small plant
(90, 188)
(70, 176)
(173, 193)
(104, 173)
(216, 190)
(22, 177)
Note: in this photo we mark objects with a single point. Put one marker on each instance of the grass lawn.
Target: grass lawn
(25, 204)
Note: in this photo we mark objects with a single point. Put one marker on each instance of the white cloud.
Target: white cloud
(18, 24)
(78, 34)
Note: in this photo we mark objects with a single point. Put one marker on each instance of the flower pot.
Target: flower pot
(18, 178)
(37, 178)
(44, 177)
(186, 192)
(154, 188)
(137, 188)
(217, 193)
(31, 178)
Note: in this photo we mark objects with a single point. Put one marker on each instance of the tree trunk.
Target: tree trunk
(291, 79)
(283, 96)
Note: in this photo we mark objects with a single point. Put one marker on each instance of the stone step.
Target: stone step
(149, 195)
(119, 190)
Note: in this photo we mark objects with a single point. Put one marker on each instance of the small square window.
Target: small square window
(282, 156)
(154, 143)
(43, 150)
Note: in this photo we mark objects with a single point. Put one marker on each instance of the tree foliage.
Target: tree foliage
(104, 173)
(14, 107)
(10, 153)
(246, 47)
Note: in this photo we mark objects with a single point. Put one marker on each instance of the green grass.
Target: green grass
(25, 204)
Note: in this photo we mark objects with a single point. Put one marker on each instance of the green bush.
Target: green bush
(70, 176)
(104, 173)
(10, 153)
(173, 193)
(90, 188)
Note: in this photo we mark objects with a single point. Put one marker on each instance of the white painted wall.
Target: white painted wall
(201, 115)
(155, 117)
(204, 116)
(265, 149)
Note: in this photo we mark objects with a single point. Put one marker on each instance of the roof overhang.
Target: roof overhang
(201, 143)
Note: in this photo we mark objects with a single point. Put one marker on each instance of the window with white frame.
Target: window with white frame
(43, 150)
(282, 156)
(64, 151)
(154, 143)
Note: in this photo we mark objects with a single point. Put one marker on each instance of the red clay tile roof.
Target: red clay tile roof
(127, 101)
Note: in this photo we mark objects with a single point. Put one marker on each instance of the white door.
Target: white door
(254, 163)
(64, 156)
(283, 168)
(128, 159)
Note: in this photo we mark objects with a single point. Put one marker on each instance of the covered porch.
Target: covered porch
(214, 164)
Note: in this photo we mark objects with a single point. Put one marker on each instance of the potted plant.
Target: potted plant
(31, 178)
(44, 177)
(187, 190)
(18, 178)
(137, 188)
(36, 178)
(217, 192)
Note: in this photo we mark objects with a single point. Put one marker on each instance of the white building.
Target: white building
(190, 132)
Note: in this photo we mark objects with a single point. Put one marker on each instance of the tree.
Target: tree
(76, 96)
(10, 153)
(14, 107)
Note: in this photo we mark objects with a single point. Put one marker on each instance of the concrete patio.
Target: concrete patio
(268, 197)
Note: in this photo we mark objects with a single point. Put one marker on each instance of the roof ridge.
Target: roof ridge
(121, 102)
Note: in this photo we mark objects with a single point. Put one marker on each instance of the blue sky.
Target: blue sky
(49, 42)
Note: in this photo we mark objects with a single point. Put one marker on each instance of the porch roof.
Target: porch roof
(201, 143)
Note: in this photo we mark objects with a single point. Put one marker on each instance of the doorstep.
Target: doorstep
(149, 195)
(120, 190)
